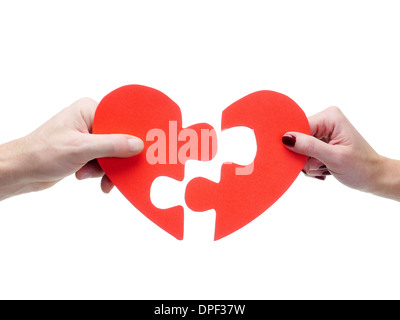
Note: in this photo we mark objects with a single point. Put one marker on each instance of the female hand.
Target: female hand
(335, 147)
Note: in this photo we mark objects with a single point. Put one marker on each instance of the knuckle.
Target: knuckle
(334, 112)
(87, 101)
(84, 103)
(309, 147)
(79, 148)
(115, 148)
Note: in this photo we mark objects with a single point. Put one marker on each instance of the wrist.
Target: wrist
(13, 162)
(387, 181)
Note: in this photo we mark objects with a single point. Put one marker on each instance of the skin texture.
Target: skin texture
(336, 148)
(62, 146)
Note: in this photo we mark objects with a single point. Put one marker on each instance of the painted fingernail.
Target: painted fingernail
(322, 167)
(326, 173)
(289, 140)
(320, 178)
(135, 145)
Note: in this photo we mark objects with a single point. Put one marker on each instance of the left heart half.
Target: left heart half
(153, 117)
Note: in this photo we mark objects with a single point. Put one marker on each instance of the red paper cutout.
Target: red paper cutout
(239, 199)
(136, 110)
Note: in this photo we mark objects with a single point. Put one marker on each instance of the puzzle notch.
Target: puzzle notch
(136, 110)
(239, 199)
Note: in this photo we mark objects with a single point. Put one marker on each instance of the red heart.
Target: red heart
(239, 199)
(136, 110)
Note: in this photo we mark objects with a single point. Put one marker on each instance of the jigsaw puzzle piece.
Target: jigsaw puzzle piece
(152, 116)
(244, 193)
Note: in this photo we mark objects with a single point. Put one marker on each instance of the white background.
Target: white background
(320, 240)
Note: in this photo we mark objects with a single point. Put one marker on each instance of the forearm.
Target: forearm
(387, 183)
(12, 164)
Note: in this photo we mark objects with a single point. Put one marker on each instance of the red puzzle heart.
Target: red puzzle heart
(243, 192)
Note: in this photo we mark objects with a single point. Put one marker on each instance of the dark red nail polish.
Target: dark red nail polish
(289, 140)
(326, 173)
(322, 167)
(320, 178)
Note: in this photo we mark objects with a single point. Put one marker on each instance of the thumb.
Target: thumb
(112, 145)
(308, 146)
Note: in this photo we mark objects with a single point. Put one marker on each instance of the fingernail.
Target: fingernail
(135, 145)
(322, 167)
(320, 178)
(289, 140)
(326, 173)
